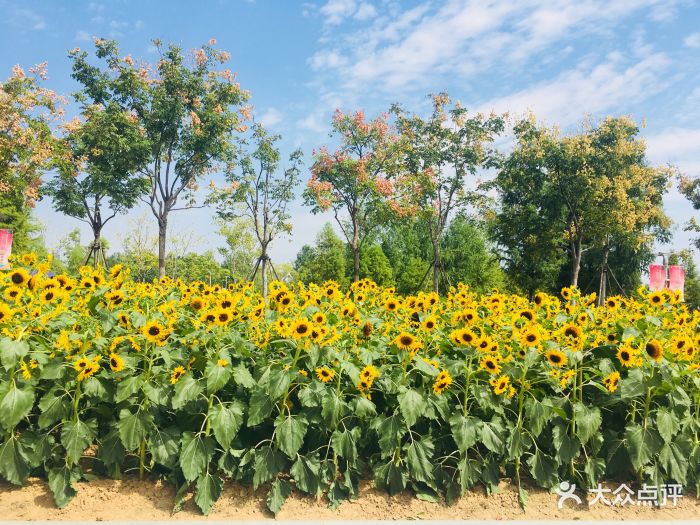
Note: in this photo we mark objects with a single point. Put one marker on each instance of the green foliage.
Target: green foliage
(185, 109)
(326, 261)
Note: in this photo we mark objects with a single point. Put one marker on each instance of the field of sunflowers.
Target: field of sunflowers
(322, 387)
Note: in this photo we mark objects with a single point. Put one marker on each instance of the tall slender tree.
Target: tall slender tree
(186, 107)
(264, 192)
(28, 112)
(98, 175)
(354, 180)
(439, 156)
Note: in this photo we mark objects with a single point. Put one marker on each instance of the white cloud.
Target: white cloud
(412, 49)
(365, 11)
(270, 118)
(82, 36)
(24, 19)
(326, 59)
(692, 40)
(593, 89)
(335, 11)
(678, 146)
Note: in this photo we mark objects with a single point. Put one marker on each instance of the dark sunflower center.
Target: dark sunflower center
(153, 330)
(302, 329)
(17, 278)
(406, 340)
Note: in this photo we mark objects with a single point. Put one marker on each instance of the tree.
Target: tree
(325, 261)
(139, 245)
(239, 253)
(690, 189)
(691, 292)
(98, 173)
(467, 258)
(264, 193)
(375, 265)
(353, 181)
(72, 252)
(185, 109)
(27, 146)
(439, 155)
(576, 193)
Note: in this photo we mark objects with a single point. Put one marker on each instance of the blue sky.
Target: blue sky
(562, 59)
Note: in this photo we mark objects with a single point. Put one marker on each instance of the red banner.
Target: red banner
(5, 248)
(657, 277)
(676, 277)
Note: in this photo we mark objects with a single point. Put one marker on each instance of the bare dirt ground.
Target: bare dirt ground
(106, 499)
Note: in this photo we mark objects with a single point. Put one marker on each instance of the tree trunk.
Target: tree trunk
(162, 231)
(602, 290)
(95, 251)
(437, 264)
(355, 246)
(575, 261)
(263, 260)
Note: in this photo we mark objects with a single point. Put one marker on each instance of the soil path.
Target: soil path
(105, 499)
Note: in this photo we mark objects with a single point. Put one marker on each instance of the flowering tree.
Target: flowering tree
(98, 171)
(262, 192)
(438, 156)
(590, 189)
(27, 143)
(186, 109)
(355, 180)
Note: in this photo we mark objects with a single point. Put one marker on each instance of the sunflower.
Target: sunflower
(13, 293)
(526, 314)
(223, 317)
(429, 323)
(566, 293)
(367, 330)
(6, 313)
(679, 344)
(626, 355)
(391, 305)
(369, 373)
(115, 271)
(539, 299)
(319, 318)
(654, 349)
(325, 374)
(469, 315)
(442, 382)
(50, 295)
(19, 277)
(657, 298)
(116, 362)
(301, 328)
(555, 357)
(612, 303)
(500, 385)
(197, 303)
(612, 381)
(28, 259)
(406, 341)
(491, 365)
(530, 337)
(572, 331)
(80, 364)
(154, 332)
(176, 374)
(91, 368)
(123, 319)
(463, 337)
